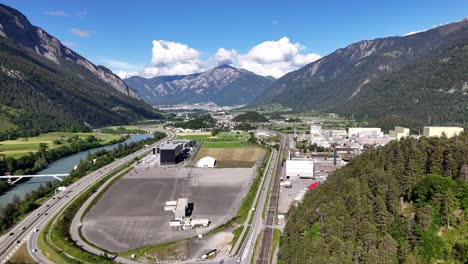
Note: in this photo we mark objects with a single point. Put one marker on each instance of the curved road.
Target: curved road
(27, 229)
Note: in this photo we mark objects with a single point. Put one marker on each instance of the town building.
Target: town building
(437, 131)
(333, 134)
(399, 132)
(364, 132)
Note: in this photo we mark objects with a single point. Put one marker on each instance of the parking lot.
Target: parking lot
(131, 213)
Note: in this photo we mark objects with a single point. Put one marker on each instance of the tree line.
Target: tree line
(34, 162)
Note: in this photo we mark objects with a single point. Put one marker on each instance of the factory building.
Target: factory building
(206, 162)
(399, 132)
(299, 168)
(364, 132)
(186, 143)
(437, 131)
(333, 134)
(170, 153)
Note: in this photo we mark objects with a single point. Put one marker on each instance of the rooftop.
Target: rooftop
(169, 146)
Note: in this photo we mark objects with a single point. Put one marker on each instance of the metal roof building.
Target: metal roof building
(300, 168)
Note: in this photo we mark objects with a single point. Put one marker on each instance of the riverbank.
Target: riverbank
(34, 162)
(61, 166)
(19, 147)
(19, 208)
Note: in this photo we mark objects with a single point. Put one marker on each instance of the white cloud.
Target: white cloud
(126, 74)
(224, 56)
(55, 13)
(173, 58)
(269, 58)
(123, 65)
(167, 53)
(276, 58)
(82, 33)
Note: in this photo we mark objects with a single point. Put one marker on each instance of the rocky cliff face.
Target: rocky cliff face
(16, 27)
(339, 77)
(224, 85)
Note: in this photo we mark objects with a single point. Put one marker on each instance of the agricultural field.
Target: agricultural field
(228, 155)
(22, 146)
(222, 136)
(5, 124)
(224, 144)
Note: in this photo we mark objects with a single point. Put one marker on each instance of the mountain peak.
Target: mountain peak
(225, 66)
(224, 85)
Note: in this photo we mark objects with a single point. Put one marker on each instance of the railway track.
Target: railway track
(267, 239)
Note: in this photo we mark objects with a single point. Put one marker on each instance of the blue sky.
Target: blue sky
(189, 34)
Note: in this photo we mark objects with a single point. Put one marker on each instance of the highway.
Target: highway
(27, 229)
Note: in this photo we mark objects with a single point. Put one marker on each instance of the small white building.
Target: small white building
(206, 162)
(299, 168)
(437, 131)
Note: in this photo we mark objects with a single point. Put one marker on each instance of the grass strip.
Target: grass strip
(275, 243)
(237, 232)
(67, 251)
(243, 240)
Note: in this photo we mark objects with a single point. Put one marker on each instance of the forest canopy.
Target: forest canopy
(405, 202)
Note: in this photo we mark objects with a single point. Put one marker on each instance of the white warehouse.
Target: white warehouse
(299, 168)
(206, 162)
(436, 131)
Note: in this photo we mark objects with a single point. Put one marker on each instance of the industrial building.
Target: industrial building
(437, 131)
(334, 134)
(364, 132)
(170, 153)
(399, 132)
(299, 168)
(186, 143)
(181, 210)
(206, 162)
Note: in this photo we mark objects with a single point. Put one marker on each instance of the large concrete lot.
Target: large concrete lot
(131, 213)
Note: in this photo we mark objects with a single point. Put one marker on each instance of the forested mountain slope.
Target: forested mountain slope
(403, 203)
(432, 92)
(42, 91)
(337, 79)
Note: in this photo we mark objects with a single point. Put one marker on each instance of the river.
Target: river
(61, 166)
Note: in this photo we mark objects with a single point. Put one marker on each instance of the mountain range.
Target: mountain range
(46, 86)
(356, 75)
(223, 85)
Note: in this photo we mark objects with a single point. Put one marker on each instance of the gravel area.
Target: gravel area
(131, 213)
